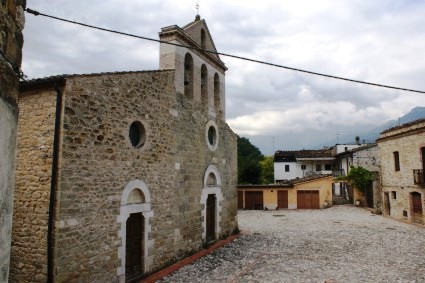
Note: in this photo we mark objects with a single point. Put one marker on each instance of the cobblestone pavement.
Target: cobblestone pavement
(339, 244)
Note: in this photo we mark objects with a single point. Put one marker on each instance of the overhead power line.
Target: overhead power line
(36, 13)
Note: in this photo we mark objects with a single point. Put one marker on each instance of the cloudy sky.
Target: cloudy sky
(376, 41)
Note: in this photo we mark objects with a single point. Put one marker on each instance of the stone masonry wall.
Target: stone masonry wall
(98, 161)
(11, 41)
(402, 182)
(194, 157)
(367, 158)
(32, 193)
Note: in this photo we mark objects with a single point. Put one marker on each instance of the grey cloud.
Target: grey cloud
(377, 41)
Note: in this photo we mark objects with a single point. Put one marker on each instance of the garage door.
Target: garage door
(253, 200)
(308, 200)
(282, 199)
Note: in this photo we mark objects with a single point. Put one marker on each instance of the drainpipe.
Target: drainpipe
(53, 186)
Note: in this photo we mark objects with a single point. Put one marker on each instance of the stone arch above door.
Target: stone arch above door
(212, 170)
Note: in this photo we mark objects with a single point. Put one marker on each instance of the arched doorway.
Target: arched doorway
(417, 211)
(211, 199)
(135, 213)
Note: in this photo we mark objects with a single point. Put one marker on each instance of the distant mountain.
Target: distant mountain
(414, 114)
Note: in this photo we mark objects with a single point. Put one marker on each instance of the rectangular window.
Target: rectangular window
(286, 168)
(394, 195)
(328, 167)
(303, 167)
(318, 167)
(396, 161)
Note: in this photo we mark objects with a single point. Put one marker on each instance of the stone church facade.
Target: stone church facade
(121, 174)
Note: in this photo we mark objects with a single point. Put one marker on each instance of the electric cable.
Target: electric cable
(36, 13)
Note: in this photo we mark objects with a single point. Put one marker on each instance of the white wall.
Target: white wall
(280, 174)
(295, 170)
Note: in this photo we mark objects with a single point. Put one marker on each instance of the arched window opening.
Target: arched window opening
(188, 76)
(211, 180)
(204, 84)
(203, 44)
(136, 196)
(217, 92)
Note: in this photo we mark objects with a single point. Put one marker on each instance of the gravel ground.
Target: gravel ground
(339, 244)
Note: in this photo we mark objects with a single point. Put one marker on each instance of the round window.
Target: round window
(137, 134)
(212, 135)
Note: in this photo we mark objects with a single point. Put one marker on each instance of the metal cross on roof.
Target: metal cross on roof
(197, 8)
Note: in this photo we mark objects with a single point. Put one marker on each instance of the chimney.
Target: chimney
(357, 140)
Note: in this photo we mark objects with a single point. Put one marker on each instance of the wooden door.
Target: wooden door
(210, 221)
(387, 205)
(134, 247)
(240, 200)
(417, 214)
(308, 199)
(254, 200)
(369, 194)
(282, 199)
(315, 200)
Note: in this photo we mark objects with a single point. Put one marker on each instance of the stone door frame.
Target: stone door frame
(125, 210)
(208, 190)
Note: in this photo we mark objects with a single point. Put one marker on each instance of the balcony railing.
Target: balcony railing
(418, 177)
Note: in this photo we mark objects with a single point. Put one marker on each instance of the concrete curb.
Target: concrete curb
(172, 268)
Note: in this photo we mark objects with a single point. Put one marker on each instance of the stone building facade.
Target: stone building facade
(402, 155)
(122, 174)
(367, 156)
(11, 42)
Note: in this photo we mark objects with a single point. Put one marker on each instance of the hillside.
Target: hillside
(370, 136)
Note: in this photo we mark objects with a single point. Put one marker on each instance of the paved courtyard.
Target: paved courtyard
(339, 244)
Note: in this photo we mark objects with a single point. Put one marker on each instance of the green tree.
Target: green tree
(267, 170)
(249, 157)
(360, 177)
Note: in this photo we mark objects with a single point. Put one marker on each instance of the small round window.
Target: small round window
(137, 134)
(212, 135)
